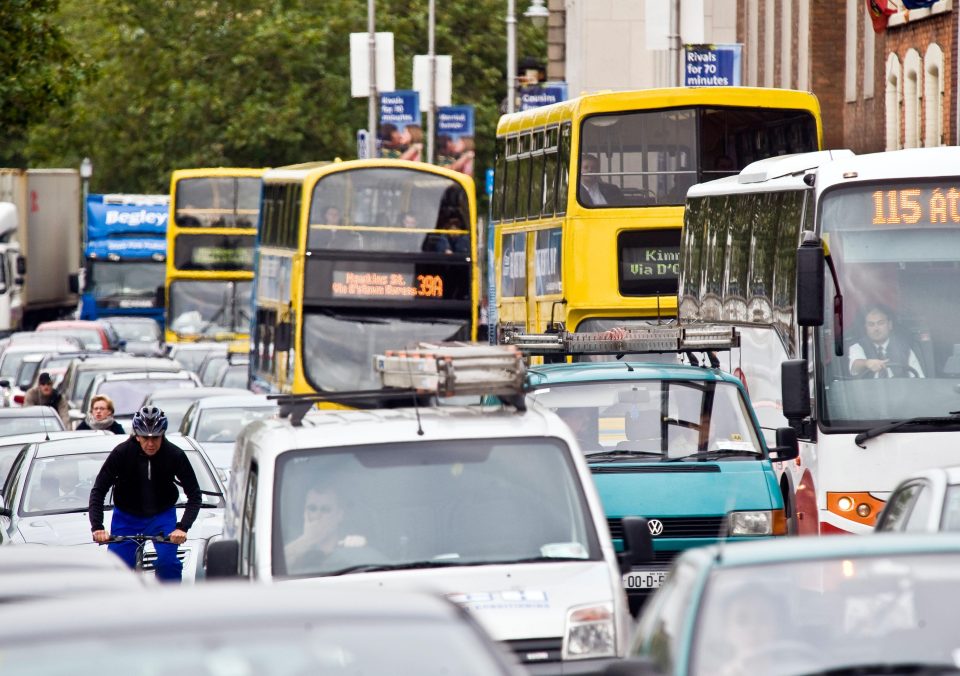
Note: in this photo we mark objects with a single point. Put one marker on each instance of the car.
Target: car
(140, 335)
(174, 402)
(233, 374)
(209, 368)
(831, 605)
(191, 355)
(127, 390)
(14, 354)
(17, 420)
(30, 572)
(11, 445)
(244, 629)
(82, 371)
(55, 364)
(677, 444)
(927, 502)
(93, 335)
(216, 422)
(47, 491)
(493, 506)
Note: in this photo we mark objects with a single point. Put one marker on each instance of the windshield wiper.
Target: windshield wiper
(410, 565)
(716, 453)
(952, 419)
(920, 668)
(534, 559)
(612, 455)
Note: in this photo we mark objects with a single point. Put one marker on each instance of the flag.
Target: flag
(879, 11)
(917, 4)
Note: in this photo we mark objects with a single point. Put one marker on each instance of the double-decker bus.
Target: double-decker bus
(354, 258)
(852, 337)
(589, 193)
(210, 239)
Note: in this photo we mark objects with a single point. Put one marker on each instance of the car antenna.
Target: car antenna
(416, 408)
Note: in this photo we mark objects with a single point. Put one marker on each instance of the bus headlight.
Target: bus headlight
(769, 522)
(590, 633)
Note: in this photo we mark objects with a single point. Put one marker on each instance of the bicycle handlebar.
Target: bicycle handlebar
(139, 539)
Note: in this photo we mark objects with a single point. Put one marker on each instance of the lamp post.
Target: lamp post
(538, 14)
(86, 171)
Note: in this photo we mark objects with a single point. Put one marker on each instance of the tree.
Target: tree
(247, 82)
(37, 70)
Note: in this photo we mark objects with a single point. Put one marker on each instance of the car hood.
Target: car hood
(220, 454)
(74, 528)
(515, 601)
(684, 489)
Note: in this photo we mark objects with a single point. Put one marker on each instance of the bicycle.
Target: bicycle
(140, 540)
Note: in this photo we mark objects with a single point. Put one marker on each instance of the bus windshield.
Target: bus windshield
(389, 209)
(217, 202)
(208, 306)
(897, 253)
(119, 280)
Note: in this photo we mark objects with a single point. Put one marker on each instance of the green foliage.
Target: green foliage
(170, 84)
(37, 70)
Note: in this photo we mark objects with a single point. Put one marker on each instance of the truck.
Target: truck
(125, 251)
(11, 270)
(46, 233)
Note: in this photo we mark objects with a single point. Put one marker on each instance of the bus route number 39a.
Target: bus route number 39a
(644, 579)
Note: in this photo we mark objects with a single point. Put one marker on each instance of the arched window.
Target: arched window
(894, 93)
(911, 99)
(933, 96)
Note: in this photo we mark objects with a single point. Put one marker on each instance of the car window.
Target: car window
(920, 512)
(661, 625)
(897, 511)
(13, 477)
(50, 422)
(951, 510)
(211, 369)
(7, 455)
(128, 394)
(222, 425)
(235, 375)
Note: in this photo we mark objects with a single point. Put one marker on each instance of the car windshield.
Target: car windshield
(83, 378)
(91, 339)
(235, 375)
(62, 483)
(26, 425)
(462, 502)
(10, 364)
(26, 372)
(222, 425)
(174, 409)
(190, 359)
(137, 331)
(128, 394)
(343, 646)
(211, 369)
(881, 610)
(665, 418)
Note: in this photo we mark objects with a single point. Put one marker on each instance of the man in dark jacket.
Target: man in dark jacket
(143, 472)
(43, 394)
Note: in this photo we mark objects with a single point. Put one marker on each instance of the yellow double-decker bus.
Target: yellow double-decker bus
(210, 239)
(589, 193)
(354, 258)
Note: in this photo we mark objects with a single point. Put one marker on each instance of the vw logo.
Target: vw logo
(655, 526)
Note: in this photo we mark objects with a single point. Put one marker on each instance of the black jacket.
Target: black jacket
(143, 485)
(116, 427)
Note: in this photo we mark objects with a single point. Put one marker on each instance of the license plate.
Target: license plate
(646, 579)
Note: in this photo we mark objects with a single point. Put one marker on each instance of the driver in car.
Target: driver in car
(882, 353)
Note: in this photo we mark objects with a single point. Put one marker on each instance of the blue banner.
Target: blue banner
(400, 133)
(542, 95)
(712, 65)
(454, 141)
(109, 215)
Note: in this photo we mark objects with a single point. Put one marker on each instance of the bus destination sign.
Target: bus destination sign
(343, 281)
(385, 285)
(214, 252)
(649, 261)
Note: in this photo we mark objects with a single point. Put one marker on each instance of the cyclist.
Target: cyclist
(144, 471)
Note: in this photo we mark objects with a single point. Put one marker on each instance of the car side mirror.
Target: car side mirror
(632, 666)
(283, 337)
(74, 280)
(21, 265)
(795, 389)
(787, 447)
(223, 559)
(637, 543)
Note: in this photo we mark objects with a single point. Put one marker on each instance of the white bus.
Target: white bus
(854, 336)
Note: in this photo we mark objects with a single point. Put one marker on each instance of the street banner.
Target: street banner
(542, 95)
(712, 65)
(454, 140)
(401, 133)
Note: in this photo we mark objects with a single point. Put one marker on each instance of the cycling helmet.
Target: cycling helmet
(149, 421)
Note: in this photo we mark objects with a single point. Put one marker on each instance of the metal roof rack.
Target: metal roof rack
(620, 341)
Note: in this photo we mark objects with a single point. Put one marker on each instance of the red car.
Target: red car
(93, 335)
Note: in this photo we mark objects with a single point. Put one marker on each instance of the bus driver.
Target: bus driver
(882, 353)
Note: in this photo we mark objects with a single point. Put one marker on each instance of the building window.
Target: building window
(753, 40)
(933, 96)
(769, 40)
(869, 55)
(893, 93)
(786, 45)
(850, 65)
(911, 99)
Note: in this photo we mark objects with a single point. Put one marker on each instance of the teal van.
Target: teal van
(679, 445)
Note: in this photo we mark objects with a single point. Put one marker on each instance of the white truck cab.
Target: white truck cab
(492, 506)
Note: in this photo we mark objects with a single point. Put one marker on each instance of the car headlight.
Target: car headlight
(590, 633)
(770, 522)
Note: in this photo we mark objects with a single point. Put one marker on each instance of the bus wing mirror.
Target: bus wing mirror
(794, 381)
(787, 447)
(637, 543)
(74, 283)
(159, 297)
(810, 281)
(21, 265)
(283, 338)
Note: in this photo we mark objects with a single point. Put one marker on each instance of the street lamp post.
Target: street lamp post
(538, 14)
(86, 171)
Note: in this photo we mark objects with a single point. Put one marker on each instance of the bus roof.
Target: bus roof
(302, 172)
(940, 162)
(213, 172)
(676, 97)
(784, 172)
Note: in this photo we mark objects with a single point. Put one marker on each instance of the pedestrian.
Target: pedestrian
(100, 416)
(44, 394)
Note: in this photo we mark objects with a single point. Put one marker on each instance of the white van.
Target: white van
(492, 506)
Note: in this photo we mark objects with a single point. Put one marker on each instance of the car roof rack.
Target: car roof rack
(421, 375)
(632, 340)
